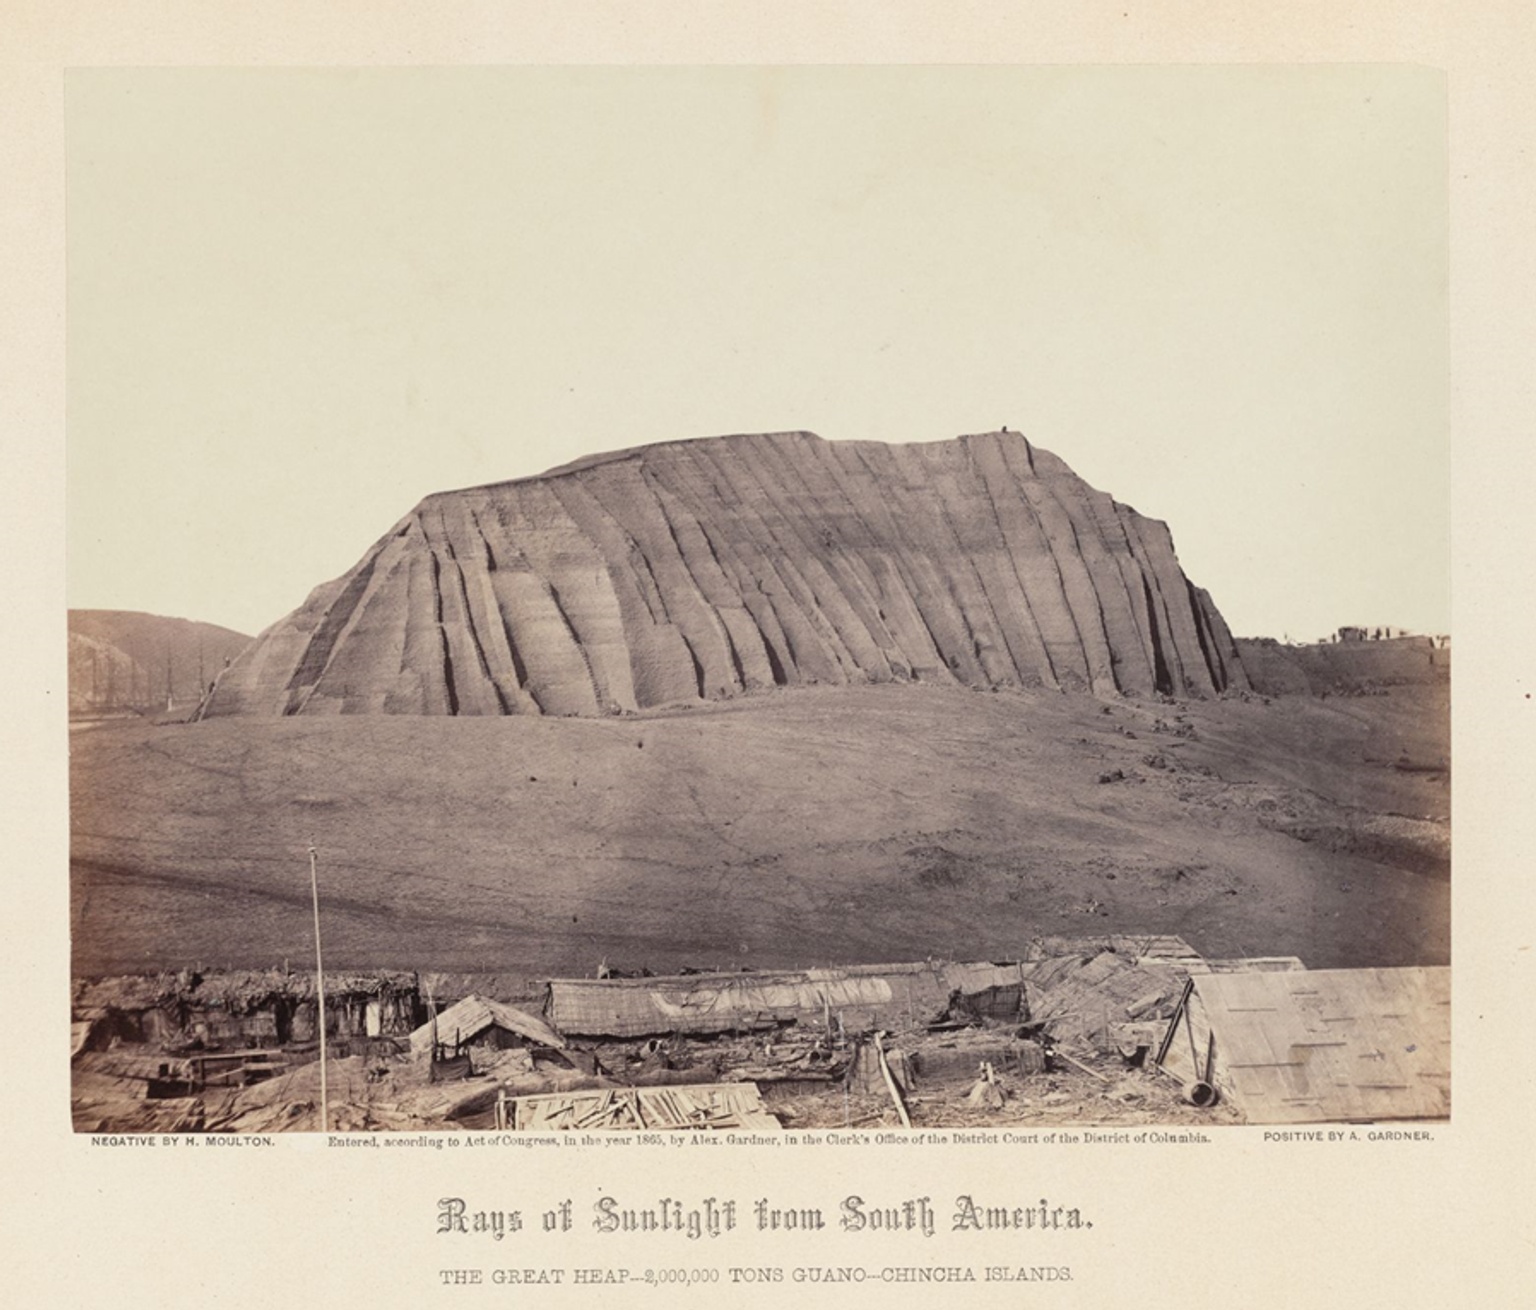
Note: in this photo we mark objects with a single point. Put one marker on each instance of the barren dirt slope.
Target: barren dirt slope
(820, 825)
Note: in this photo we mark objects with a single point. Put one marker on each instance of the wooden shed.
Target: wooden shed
(1318, 1046)
(476, 1021)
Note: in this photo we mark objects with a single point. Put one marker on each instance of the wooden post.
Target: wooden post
(1078, 1064)
(314, 889)
(1180, 1012)
(890, 1082)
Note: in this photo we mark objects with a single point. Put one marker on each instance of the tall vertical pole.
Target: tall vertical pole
(314, 888)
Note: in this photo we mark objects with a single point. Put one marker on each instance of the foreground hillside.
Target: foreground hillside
(802, 826)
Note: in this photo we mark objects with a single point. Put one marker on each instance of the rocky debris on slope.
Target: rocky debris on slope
(704, 569)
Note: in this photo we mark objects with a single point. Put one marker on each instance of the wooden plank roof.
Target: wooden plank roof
(1326, 1045)
(467, 1019)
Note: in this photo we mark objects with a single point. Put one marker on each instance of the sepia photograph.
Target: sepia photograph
(752, 599)
(767, 656)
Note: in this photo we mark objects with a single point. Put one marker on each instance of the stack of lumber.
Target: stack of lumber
(718, 1105)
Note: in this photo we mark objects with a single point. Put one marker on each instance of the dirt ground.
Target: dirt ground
(816, 826)
(1052, 1100)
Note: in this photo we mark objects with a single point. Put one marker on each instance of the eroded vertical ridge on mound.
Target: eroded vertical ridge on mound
(706, 568)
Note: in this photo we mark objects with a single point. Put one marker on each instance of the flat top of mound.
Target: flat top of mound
(602, 458)
(636, 452)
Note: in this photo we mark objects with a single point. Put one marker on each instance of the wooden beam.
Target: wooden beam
(1078, 1064)
(890, 1082)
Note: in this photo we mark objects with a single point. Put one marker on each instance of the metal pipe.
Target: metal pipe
(1202, 1095)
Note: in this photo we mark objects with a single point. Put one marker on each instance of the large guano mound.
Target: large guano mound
(705, 569)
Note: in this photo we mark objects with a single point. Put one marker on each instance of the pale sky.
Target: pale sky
(301, 300)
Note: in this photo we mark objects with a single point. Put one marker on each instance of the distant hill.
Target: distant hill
(124, 660)
(1345, 667)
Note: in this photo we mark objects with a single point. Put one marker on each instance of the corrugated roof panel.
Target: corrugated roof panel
(861, 994)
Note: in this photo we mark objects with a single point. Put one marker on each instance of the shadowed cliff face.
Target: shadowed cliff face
(703, 569)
